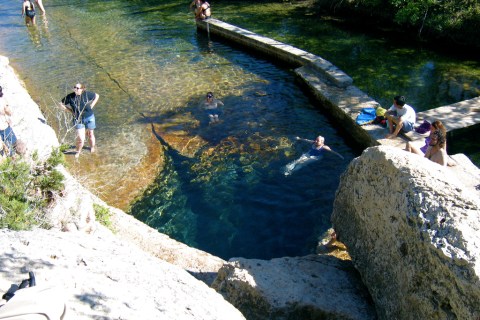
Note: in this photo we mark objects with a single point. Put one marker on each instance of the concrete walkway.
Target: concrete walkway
(335, 90)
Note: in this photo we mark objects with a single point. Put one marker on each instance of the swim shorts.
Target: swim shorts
(88, 123)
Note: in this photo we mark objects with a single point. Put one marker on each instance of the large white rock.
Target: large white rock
(28, 122)
(310, 287)
(103, 277)
(413, 231)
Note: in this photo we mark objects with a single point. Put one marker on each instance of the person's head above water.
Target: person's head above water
(319, 140)
(210, 95)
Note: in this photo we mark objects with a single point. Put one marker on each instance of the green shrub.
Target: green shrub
(103, 216)
(26, 190)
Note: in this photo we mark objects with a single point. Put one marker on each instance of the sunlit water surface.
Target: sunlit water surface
(217, 187)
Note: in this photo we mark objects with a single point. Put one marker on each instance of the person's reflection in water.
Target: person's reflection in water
(35, 37)
(40, 32)
(45, 33)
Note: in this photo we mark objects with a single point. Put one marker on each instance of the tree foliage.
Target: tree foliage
(458, 20)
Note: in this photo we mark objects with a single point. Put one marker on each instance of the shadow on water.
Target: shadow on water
(222, 188)
(227, 195)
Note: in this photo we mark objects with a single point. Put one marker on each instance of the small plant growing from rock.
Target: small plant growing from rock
(27, 189)
(103, 216)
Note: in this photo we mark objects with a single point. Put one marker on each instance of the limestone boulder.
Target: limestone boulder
(102, 277)
(412, 228)
(202, 265)
(310, 287)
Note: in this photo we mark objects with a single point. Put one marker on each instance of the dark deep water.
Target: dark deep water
(222, 188)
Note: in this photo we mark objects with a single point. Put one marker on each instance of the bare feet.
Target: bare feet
(390, 136)
(93, 149)
(77, 154)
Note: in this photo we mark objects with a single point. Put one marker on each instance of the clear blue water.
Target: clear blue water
(218, 187)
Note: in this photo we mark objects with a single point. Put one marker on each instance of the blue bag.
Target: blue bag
(366, 116)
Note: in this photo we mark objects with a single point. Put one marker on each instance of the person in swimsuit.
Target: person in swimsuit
(436, 150)
(195, 5)
(80, 103)
(28, 11)
(315, 153)
(211, 107)
(7, 136)
(436, 125)
(40, 5)
(204, 12)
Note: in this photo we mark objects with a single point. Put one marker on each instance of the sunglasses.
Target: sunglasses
(74, 88)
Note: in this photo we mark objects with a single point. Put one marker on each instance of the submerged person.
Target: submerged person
(81, 103)
(28, 11)
(204, 12)
(400, 116)
(315, 153)
(211, 107)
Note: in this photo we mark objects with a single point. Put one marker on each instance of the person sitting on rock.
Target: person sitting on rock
(436, 150)
(436, 126)
(400, 116)
(7, 136)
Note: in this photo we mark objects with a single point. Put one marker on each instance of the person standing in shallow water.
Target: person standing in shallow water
(40, 5)
(28, 11)
(204, 12)
(195, 6)
(81, 103)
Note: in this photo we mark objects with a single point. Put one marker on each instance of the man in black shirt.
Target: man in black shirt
(80, 103)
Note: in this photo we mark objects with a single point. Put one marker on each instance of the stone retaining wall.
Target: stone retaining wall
(335, 90)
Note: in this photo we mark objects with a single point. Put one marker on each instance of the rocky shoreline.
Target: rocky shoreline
(54, 255)
(138, 272)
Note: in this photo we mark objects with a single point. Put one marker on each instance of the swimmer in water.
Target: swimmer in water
(211, 107)
(315, 153)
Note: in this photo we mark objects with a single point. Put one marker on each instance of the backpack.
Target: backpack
(366, 116)
(30, 302)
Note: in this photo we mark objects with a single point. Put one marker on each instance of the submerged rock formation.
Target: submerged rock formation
(413, 231)
(310, 287)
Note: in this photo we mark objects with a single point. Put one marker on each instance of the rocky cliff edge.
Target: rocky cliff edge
(412, 228)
